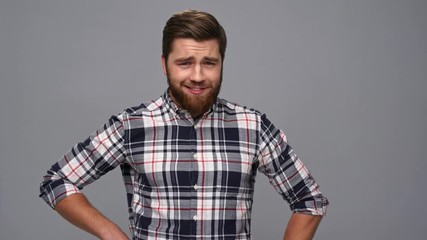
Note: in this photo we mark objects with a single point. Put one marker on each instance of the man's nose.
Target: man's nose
(197, 73)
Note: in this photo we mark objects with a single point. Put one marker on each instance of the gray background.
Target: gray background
(345, 79)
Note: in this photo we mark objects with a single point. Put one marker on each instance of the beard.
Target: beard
(196, 105)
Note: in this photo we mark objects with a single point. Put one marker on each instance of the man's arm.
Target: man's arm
(302, 227)
(84, 163)
(78, 211)
(292, 180)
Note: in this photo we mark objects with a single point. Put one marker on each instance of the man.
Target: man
(188, 159)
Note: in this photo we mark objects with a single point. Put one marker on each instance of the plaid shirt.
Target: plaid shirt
(185, 178)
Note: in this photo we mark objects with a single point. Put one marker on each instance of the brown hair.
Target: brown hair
(193, 24)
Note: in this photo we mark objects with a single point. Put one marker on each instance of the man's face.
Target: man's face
(194, 73)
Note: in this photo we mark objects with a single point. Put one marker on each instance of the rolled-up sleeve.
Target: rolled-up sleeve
(85, 162)
(286, 172)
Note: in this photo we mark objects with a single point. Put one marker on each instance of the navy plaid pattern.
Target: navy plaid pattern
(185, 178)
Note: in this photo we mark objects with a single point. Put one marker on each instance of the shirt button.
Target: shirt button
(195, 187)
(195, 156)
(195, 218)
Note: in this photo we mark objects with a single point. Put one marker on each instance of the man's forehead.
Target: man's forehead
(189, 47)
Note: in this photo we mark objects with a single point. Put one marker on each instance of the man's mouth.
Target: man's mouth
(196, 90)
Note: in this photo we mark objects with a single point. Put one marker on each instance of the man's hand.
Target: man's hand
(302, 227)
(78, 211)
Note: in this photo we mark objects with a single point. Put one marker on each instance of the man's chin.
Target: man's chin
(197, 106)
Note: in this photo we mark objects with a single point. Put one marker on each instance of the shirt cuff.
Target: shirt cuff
(52, 193)
(315, 206)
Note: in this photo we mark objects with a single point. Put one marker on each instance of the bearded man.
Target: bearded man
(188, 159)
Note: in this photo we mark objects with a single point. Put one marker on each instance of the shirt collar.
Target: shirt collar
(169, 103)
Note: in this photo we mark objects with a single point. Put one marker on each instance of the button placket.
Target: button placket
(194, 175)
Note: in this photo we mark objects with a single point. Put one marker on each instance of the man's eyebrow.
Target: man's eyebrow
(211, 59)
(184, 59)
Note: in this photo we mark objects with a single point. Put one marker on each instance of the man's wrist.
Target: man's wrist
(111, 231)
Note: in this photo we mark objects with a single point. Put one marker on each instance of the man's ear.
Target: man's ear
(164, 65)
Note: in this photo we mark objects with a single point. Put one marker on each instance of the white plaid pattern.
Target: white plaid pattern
(188, 179)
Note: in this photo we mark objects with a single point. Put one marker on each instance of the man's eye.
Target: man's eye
(210, 63)
(185, 64)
